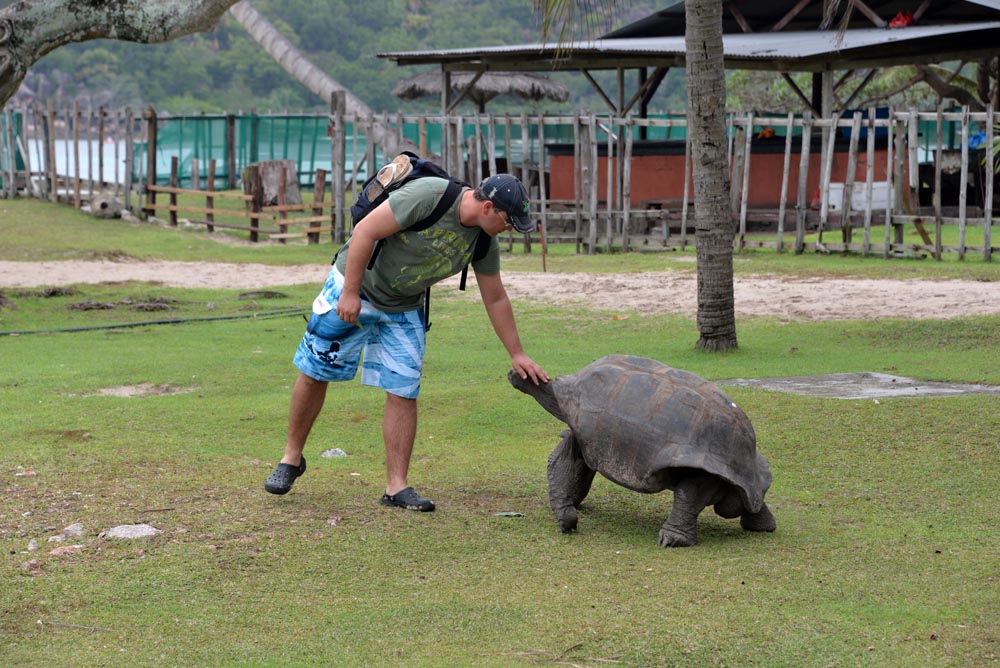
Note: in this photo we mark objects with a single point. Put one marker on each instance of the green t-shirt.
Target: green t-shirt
(409, 262)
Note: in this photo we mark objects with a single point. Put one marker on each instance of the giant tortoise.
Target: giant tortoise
(649, 427)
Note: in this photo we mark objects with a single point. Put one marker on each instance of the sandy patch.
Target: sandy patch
(649, 292)
(142, 390)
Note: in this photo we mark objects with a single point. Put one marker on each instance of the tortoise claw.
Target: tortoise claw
(671, 536)
(567, 519)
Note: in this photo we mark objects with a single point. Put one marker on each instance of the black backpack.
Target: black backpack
(411, 167)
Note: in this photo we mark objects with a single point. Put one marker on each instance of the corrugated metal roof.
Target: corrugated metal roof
(668, 21)
(806, 50)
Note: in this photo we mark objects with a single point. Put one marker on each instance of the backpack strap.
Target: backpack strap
(479, 251)
(451, 194)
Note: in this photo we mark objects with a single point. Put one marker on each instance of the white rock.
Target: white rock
(73, 530)
(333, 452)
(32, 545)
(131, 531)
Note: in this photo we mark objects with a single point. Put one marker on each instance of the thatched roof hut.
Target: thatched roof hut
(488, 85)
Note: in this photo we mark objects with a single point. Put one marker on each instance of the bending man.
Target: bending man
(378, 312)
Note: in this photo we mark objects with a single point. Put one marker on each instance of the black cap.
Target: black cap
(509, 195)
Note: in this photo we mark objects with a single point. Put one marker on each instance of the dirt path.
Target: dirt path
(649, 292)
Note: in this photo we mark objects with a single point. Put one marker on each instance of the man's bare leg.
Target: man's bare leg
(399, 430)
(308, 396)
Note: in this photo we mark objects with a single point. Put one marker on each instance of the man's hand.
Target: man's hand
(348, 307)
(526, 368)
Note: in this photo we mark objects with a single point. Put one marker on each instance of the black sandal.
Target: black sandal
(409, 499)
(281, 479)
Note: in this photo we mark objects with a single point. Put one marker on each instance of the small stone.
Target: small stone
(105, 205)
(32, 545)
(73, 530)
(57, 539)
(131, 531)
(32, 567)
(333, 453)
(66, 550)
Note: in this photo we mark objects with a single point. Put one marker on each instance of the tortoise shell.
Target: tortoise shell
(642, 424)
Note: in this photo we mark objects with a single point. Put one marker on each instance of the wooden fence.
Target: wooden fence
(849, 184)
(279, 221)
(70, 155)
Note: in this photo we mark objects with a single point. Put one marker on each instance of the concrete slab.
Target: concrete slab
(864, 385)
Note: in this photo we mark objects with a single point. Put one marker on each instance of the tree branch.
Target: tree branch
(32, 28)
(947, 90)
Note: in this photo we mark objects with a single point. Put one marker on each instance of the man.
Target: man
(378, 311)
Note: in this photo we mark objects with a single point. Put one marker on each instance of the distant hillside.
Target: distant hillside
(226, 71)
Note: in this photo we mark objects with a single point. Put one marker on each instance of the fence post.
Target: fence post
(282, 203)
(592, 182)
(802, 197)
(846, 232)
(319, 194)
(577, 178)
(150, 155)
(100, 148)
(23, 143)
(174, 183)
(195, 174)
(230, 152)
(129, 157)
(869, 179)
(826, 155)
(609, 199)
(50, 152)
(745, 187)
(253, 186)
(90, 151)
(626, 181)
(76, 154)
(892, 149)
(785, 177)
(209, 200)
(9, 166)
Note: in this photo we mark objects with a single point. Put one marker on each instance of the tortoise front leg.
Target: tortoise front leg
(569, 481)
(691, 496)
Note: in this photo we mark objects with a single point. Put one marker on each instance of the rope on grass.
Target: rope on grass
(172, 321)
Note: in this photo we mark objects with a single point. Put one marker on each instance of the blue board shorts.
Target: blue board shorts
(393, 344)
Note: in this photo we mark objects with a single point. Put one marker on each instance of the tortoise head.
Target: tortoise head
(543, 393)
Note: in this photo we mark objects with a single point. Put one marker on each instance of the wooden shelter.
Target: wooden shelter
(781, 36)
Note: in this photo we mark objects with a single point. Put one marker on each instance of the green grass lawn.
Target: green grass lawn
(886, 552)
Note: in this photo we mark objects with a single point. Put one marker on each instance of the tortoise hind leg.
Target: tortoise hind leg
(691, 495)
(762, 520)
(569, 481)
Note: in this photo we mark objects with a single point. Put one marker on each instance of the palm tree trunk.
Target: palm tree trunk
(302, 70)
(713, 217)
